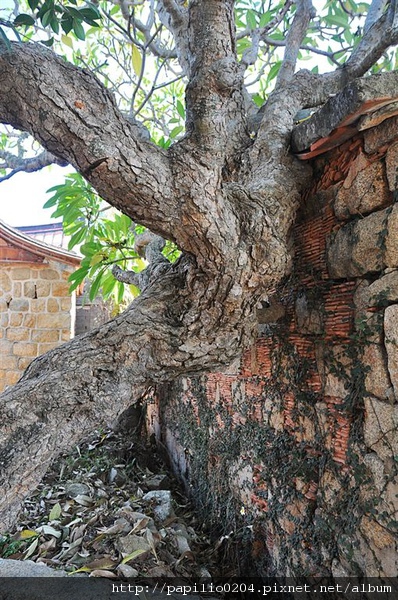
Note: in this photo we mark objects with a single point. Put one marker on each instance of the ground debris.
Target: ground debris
(111, 509)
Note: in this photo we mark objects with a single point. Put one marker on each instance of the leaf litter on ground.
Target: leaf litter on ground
(112, 509)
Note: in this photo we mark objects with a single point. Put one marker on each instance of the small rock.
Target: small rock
(157, 482)
(163, 510)
(127, 571)
(77, 489)
(130, 543)
(26, 568)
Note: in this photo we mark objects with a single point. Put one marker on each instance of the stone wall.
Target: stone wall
(295, 449)
(36, 314)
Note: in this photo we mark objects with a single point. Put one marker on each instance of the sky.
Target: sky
(22, 197)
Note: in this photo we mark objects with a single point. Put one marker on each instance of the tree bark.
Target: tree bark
(226, 199)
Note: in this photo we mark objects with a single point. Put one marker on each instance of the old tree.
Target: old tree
(225, 191)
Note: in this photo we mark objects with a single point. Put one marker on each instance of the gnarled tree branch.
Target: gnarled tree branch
(28, 165)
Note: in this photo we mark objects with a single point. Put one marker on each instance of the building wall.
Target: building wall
(297, 445)
(36, 313)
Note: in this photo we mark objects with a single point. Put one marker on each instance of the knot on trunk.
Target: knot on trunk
(149, 246)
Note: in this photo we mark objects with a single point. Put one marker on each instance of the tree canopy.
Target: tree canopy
(178, 114)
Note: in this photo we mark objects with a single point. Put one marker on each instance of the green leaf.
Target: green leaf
(78, 30)
(174, 132)
(48, 43)
(33, 4)
(77, 238)
(95, 285)
(137, 60)
(24, 19)
(180, 109)
(133, 555)
(67, 41)
(46, 17)
(4, 39)
(251, 20)
(55, 513)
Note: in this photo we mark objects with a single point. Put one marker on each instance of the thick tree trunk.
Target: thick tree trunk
(227, 200)
(175, 327)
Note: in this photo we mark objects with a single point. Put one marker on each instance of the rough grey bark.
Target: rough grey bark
(227, 199)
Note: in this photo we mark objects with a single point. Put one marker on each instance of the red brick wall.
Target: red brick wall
(285, 445)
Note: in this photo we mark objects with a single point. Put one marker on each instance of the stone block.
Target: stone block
(391, 343)
(12, 377)
(65, 335)
(17, 289)
(358, 247)
(5, 347)
(29, 320)
(383, 134)
(20, 274)
(38, 306)
(19, 305)
(364, 190)
(24, 362)
(392, 167)
(43, 289)
(45, 335)
(18, 334)
(29, 289)
(51, 274)
(391, 242)
(4, 319)
(52, 305)
(66, 304)
(383, 291)
(53, 321)
(25, 349)
(5, 282)
(377, 379)
(43, 348)
(381, 427)
(9, 362)
(60, 289)
(17, 318)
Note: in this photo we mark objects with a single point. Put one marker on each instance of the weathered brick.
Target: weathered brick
(25, 349)
(18, 334)
(19, 305)
(45, 335)
(49, 274)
